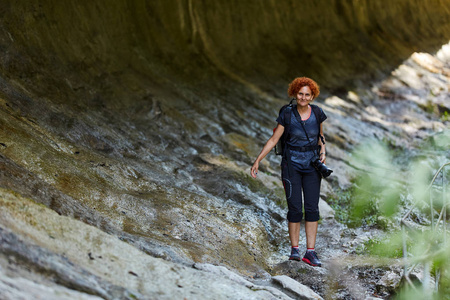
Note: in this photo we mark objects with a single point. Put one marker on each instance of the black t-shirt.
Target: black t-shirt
(297, 138)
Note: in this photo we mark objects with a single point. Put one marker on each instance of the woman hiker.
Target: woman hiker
(300, 178)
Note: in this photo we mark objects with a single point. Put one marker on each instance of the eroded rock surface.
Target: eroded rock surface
(122, 164)
(56, 251)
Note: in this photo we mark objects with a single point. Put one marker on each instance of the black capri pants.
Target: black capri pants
(297, 185)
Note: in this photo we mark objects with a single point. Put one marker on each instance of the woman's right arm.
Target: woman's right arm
(267, 148)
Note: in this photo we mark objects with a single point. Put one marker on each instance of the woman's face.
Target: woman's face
(304, 96)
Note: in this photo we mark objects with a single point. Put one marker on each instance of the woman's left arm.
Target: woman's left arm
(321, 143)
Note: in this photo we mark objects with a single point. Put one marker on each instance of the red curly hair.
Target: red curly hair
(300, 82)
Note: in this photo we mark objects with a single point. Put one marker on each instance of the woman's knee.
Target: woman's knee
(312, 216)
(295, 216)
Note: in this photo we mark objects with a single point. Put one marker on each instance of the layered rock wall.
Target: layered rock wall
(262, 44)
(142, 118)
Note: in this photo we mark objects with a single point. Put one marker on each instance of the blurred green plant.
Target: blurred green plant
(383, 193)
(430, 107)
(347, 211)
(389, 246)
(340, 204)
(375, 194)
(445, 117)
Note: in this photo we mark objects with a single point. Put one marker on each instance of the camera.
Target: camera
(321, 167)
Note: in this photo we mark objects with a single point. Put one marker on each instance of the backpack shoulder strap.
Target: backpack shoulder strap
(316, 111)
(286, 134)
(287, 111)
(287, 114)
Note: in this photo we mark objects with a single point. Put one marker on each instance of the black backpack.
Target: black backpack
(279, 147)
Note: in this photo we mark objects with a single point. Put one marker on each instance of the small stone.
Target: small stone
(302, 291)
(132, 273)
(389, 282)
(326, 212)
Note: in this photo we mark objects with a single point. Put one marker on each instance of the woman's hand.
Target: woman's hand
(254, 169)
(266, 149)
(321, 143)
(322, 157)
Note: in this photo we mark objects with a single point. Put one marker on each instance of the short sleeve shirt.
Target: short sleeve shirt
(297, 138)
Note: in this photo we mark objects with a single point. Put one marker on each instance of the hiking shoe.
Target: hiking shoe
(295, 254)
(312, 259)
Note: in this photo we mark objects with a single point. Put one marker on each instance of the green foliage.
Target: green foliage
(351, 208)
(417, 293)
(390, 247)
(445, 116)
(340, 205)
(440, 142)
(349, 211)
(375, 194)
(444, 284)
(384, 189)
(430, 107)
(379, 184)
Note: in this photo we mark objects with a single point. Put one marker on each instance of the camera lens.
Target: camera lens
(322, 168)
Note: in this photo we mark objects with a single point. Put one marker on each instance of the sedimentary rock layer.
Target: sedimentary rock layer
(261, 44)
